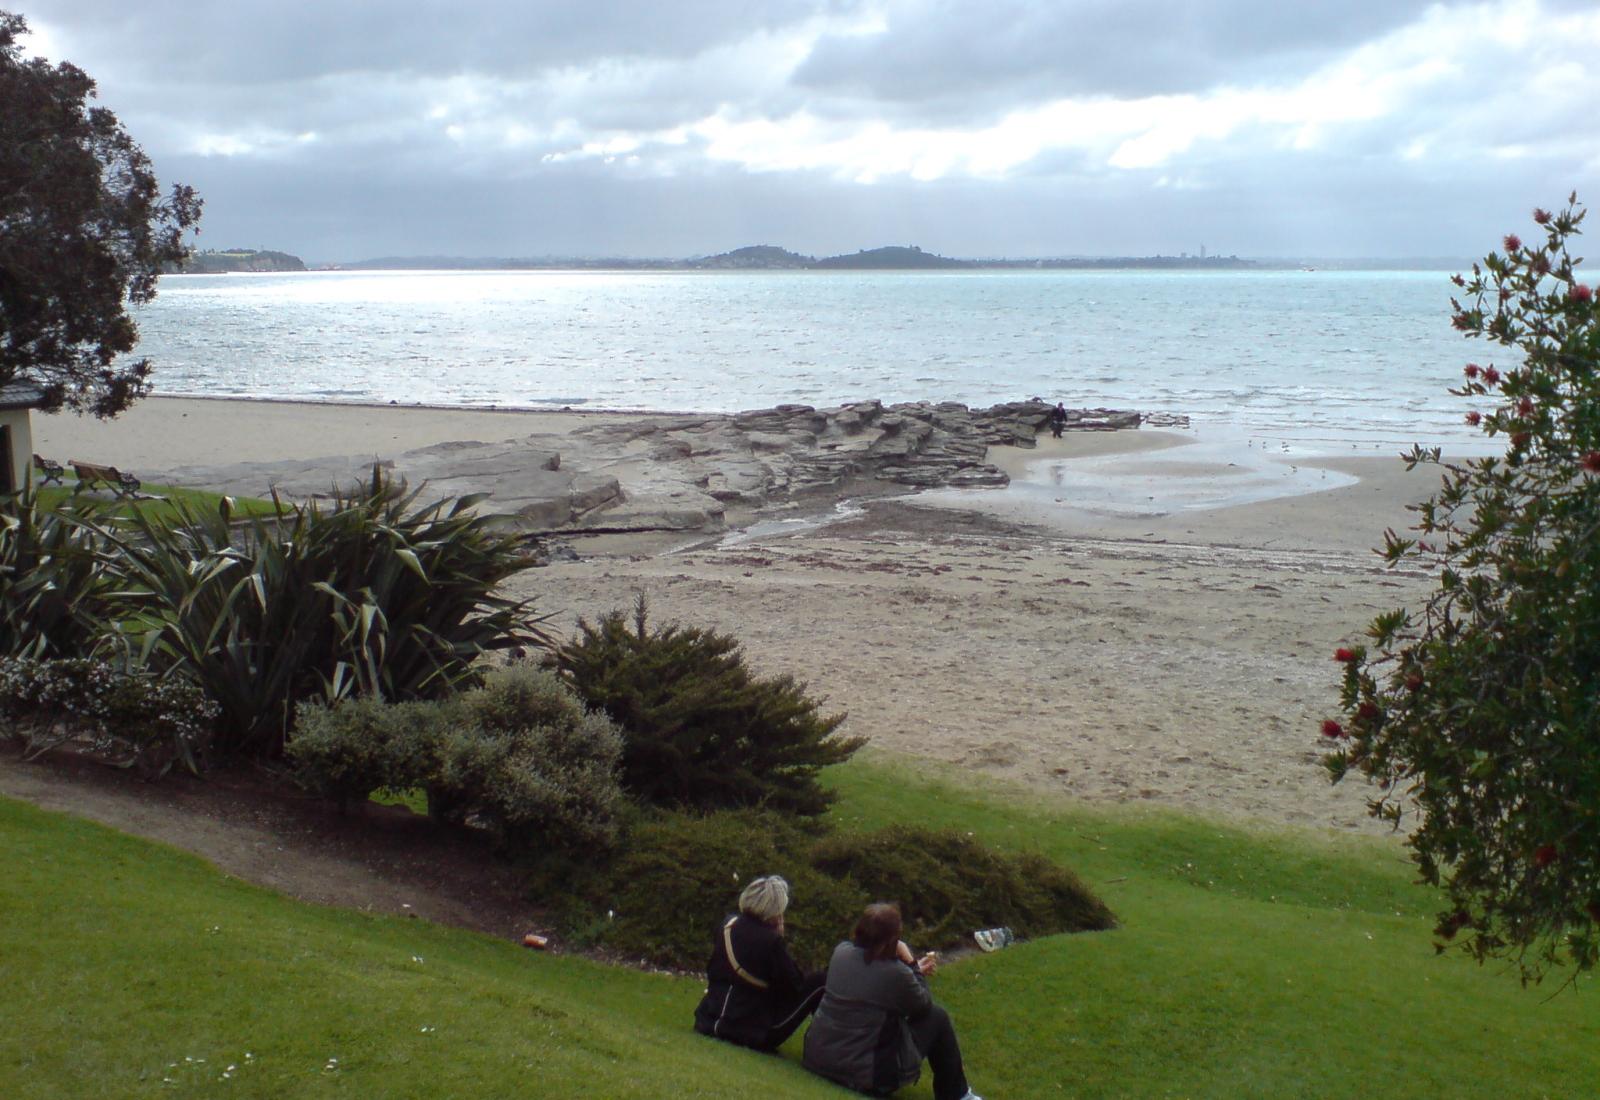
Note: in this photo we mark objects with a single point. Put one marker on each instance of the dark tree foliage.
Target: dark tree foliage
(84, 232)
(1481, 711)
(699, 729)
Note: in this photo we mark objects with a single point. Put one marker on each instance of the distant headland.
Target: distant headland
(219, 262)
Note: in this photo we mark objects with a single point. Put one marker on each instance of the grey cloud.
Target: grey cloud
(940, 52)
(1326, 204)
(385, 177)
(252, 41)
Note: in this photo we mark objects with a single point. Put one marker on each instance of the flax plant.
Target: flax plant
(371, 595)
(52, 585)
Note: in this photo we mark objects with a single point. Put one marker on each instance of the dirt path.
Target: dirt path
(381, 860)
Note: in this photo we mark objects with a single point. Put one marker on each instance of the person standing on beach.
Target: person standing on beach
(1058, 419)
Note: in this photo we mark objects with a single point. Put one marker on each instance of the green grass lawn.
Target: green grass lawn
(1249, 963)
(155, 501)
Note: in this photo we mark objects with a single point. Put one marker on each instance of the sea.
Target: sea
(1303, 359)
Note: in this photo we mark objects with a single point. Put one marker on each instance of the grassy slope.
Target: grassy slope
(1248, 964)
(155, 502)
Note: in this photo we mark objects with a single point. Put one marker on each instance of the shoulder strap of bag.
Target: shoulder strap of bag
(727, 944)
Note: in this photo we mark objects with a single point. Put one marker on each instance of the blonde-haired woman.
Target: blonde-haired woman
(755, 994)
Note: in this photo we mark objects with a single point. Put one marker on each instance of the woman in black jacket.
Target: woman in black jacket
(755, 994)
(877, 1021)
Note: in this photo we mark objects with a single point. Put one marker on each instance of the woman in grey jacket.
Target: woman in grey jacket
(877, 1021)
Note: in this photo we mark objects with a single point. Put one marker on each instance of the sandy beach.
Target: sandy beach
(1139, 649)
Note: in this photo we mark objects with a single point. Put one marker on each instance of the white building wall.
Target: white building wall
(21, 443)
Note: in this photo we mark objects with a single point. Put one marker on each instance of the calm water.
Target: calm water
(1340, 357)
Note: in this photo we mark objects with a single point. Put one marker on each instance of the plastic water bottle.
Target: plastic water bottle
(993, 939)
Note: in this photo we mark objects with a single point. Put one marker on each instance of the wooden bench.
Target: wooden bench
(49, 471)
(91, 474)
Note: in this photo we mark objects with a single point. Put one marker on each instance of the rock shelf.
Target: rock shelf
(680, 472)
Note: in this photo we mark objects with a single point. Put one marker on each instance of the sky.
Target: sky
(348, 129)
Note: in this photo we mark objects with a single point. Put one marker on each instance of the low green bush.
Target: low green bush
(948, 884)
(518, 756)
(676, 874)
(128, 717)
(701, 730)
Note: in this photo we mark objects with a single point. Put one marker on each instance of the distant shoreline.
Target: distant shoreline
(1170, 264)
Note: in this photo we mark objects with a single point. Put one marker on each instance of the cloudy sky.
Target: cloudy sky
(343, 129)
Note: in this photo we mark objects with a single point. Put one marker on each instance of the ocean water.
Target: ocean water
(1307, 359)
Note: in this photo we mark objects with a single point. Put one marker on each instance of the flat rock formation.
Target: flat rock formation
(681, 472)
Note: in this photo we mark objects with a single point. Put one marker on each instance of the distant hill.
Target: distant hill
(754, 257)
(213, 262)
(892, 258)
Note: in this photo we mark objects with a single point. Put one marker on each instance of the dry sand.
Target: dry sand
(1182, 659)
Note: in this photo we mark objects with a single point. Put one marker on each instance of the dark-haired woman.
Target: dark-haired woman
(877, 1021)
(755, 994)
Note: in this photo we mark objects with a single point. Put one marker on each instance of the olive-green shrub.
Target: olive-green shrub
(518, 756)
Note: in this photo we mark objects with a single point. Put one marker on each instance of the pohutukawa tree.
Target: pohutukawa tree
(84, 231)
(1480, 710)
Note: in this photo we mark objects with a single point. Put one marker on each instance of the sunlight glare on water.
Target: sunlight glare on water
(1348, 357)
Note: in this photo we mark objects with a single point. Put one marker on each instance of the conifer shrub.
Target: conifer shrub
(701, 730)
(677, 874)
(518, 756)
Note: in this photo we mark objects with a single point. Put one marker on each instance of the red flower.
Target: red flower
(1474, 417)
(1344, 656)
(1367, 712)
(1520, 439)
(1580, 293)
(1330, 728)
(1591, 462)
(1414, 682)
(1544, 855)
(1470, 370)
(1541, 216)
(1491, 376)
(1525, 406)
(1512, 242)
